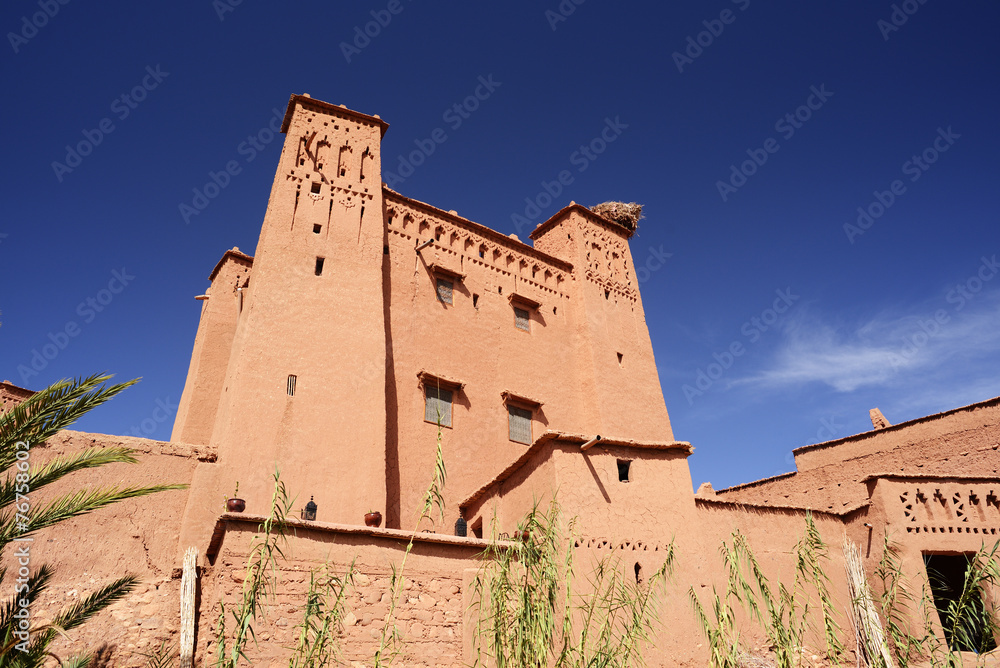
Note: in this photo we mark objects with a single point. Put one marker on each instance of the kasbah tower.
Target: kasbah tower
(368, 323)
(318, 353)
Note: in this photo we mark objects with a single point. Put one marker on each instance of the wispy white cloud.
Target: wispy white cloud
(889, 349)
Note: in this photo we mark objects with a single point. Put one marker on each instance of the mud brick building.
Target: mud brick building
(362, 318)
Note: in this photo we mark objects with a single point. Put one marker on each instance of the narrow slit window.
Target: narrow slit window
(319, 265)
(620, 358)
(315, 188)
(437, 406)
(475, 301)
(444, 290)
(607, 293)
(638, 573)
(519, 424)
(522, 319)
(291, 385)
(624, 470)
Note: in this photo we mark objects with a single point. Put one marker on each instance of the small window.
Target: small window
(519, 424)
(315, 188)
(638, 573)
(319, 266)
(444, 290)
(437, 406)
(291, 385)
(317, 229)
(620, 358)
(477, 528)
(624, 466)
(607, 293)
(522, 319)
(475, 301)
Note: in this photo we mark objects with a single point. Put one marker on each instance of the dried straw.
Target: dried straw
(626, 214)
(873, 652)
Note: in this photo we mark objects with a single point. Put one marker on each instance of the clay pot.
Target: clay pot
(373, 519)
(235, 505)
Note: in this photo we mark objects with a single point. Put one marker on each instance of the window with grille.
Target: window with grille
(519, 423)
(437, 406)
(522, 319)
(444, 288)
(291, 385)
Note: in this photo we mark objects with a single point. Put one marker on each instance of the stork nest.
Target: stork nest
(626, 214)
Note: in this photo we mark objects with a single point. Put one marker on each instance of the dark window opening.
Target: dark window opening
(317, 229)
(475, 301)
(555, 309)
(319, 266)
(519, 424)
(522, 319)
(291, 385)
(607, 293)
(444, 290)
(477, 529)
(499, 290)
(624, 466)
(947, 574)
(482, 253)
(638, 573)
(620, 358)
(437, 406)
(315, 188)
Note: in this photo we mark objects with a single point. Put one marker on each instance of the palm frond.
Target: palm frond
(63, 466)
(82, 610)
(54, 408)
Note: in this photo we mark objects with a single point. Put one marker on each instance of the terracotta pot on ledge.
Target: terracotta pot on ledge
(373, 519)
(235, 505)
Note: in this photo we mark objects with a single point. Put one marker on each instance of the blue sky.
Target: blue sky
(752, 132)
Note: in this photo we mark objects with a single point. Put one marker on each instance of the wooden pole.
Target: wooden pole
(188, 580)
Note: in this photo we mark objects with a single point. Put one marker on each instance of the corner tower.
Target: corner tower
(305, 383)
(622, 395)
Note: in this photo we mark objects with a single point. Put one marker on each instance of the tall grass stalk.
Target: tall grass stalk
(260, 582)
(530, 614)
(318, 641)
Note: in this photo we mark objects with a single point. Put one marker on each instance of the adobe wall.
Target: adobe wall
(324, 327)
(429, 613)
(137, 536)
(213, 344)
(472, 341)
(11, 395)
(830, 475)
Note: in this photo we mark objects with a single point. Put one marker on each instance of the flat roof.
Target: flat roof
(515, 244)
(232, 252)
(306, 100)
(896, 427)
(570, 438)
(579, 208)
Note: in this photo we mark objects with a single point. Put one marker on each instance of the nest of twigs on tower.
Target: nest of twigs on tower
(626, 214)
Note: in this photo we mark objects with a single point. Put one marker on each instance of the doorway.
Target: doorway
(946, 574)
